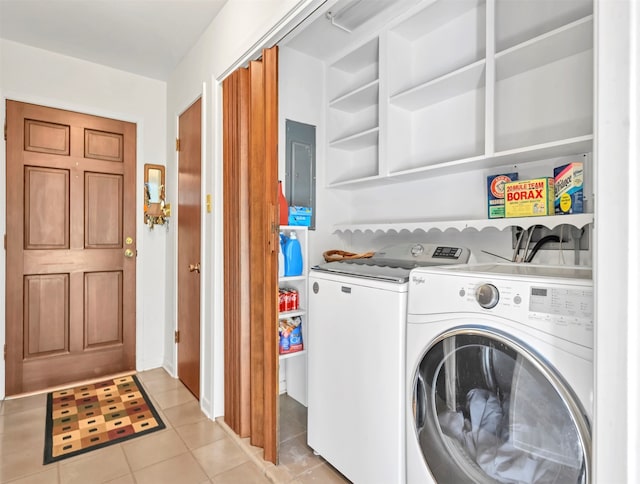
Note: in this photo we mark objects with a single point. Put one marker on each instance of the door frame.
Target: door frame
(92, 111)
(206, 270)
(216, 249)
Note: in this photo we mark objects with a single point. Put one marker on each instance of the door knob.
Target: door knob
(194, 267)
(128, 253)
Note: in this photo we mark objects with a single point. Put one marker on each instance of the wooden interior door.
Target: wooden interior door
(251, 285)
(189, 230)
(71, 267)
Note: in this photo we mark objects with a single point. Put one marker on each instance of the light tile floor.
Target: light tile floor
(192, 449)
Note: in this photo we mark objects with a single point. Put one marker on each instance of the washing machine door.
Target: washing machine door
(487, 410)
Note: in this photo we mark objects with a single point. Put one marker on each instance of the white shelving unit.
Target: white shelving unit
(294, 365)
(449, 87)
(353, 127)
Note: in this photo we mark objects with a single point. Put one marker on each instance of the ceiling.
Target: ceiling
(145, 37)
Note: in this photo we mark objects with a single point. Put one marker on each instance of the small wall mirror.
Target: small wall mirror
(154, 206)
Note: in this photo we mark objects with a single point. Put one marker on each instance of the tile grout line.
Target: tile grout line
(175, 429)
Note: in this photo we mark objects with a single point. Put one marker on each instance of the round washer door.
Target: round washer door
(487, 410)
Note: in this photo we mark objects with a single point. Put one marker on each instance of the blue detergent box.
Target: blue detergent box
(569, 181)
(300, 216)
(495, 193)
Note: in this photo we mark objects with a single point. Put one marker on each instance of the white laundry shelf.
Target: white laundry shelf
(552, 221)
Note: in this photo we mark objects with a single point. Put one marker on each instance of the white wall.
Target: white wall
(300, 90)
(617, 267)
(41, 77)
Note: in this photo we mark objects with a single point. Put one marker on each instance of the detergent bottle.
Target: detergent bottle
(281, 255)
(292, 256)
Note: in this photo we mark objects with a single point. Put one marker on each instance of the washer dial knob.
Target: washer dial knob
(417, 250)
(487, 295)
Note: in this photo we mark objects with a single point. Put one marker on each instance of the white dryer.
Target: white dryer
(499, 374)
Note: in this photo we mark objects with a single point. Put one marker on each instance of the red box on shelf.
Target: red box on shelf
(288, 300)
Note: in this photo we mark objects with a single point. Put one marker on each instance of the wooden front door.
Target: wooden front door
(189, 211)
(71, 267)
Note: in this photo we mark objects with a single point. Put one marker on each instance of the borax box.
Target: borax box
(529, 198)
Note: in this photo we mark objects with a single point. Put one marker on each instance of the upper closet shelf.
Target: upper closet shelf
(357, 100)
(465, 79)
(563, 42)
(577, 220)
(357, 141)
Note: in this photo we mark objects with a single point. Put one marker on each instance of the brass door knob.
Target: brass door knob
(194, 267)
(128, 253)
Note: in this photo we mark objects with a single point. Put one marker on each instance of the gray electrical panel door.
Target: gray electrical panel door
(300, 176)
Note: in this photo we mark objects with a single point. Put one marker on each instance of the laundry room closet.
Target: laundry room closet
(416, 103)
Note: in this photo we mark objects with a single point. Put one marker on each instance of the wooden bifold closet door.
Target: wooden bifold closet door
(250, 117)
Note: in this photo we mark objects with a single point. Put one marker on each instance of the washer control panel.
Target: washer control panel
(559, 306)
(487, 295)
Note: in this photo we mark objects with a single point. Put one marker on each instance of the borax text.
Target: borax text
(526, 192)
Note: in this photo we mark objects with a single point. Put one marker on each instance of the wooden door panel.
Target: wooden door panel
(270, 344)
(43, 137)
(36, 372)
(189, 231)
(46, 315)
(237, 266)
(257, 234)
(46, 198)
(103, 211)
(102, 308)
(67, 261)
(70, 290)
(99, 145)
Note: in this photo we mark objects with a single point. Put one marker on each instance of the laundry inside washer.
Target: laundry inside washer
(498, 414)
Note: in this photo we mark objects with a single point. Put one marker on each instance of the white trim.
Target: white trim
(205, 276)
(217, 335)
(633, 341)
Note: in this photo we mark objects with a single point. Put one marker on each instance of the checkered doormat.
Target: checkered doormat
(93, 416)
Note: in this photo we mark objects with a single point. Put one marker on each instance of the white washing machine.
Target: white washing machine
(356, 359)
(499, 374)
